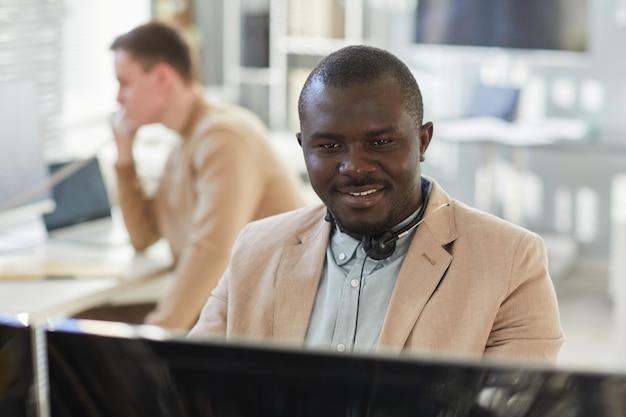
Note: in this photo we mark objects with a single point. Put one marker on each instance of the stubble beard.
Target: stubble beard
(358, 231)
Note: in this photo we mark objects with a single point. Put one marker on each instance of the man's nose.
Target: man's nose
(357, 163)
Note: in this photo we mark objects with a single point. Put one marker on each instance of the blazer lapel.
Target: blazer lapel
(421, 272)
(297, 281)
(423, 268)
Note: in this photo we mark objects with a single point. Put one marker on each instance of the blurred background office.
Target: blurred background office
(529, 113)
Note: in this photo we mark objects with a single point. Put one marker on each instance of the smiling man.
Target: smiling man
(389, 262)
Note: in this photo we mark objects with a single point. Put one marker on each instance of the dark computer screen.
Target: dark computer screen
(80, 197)
(17, 375)
(124, 374)
(557, 25)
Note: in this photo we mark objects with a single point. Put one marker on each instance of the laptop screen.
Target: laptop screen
(141, 371)
(79, 198)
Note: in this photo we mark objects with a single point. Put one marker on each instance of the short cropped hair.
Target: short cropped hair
(359, 64)
(159, 41)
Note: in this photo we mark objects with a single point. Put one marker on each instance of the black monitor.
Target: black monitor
(113, 369)
(554, 25)
(18, 385)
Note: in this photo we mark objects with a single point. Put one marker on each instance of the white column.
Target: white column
(617, 266)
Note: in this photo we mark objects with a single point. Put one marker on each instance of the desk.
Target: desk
(489, 133)
(50, 298)
(60, 278)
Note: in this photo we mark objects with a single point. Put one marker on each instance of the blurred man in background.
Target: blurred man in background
(221, 175)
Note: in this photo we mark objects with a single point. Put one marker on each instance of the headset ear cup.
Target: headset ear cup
(376, 248)
(382, 246)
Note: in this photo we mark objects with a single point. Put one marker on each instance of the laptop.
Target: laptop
(83, 211)
(84, 237)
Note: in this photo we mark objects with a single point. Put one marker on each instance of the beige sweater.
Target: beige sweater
(219, 177)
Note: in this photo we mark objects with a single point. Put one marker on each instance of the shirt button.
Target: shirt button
(342, 256)
(341, 347)
(354, 283)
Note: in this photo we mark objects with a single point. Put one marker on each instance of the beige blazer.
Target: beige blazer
(471, 284)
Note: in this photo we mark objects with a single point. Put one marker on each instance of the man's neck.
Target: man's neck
(182, 108)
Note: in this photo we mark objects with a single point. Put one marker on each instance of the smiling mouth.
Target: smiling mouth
(363, 193)
(367, 198)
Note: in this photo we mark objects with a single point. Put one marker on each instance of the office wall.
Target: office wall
(588, 87)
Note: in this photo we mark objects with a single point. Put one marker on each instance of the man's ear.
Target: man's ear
(164, 74)
(425, 135)
(299, 137)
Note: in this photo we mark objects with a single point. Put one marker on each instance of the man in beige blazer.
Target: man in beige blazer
(390, 262)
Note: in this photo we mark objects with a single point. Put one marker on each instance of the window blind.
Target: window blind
(30, 52)
(62, 48)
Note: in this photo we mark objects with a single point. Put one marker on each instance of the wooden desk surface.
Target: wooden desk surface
(59, 278)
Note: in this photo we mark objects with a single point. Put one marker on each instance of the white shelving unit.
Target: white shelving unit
(298, 29)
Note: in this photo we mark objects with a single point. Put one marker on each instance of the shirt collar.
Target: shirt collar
(343, 246)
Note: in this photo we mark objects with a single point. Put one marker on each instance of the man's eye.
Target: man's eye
(330, 146)
(380, 142)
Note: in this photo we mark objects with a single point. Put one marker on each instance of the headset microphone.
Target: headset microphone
(382, 246)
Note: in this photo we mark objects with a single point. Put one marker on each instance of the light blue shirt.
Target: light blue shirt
(353, 294)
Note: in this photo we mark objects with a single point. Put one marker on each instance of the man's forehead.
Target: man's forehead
(320, 89)
(314, 91)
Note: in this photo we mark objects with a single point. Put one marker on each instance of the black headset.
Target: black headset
(381, 246)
